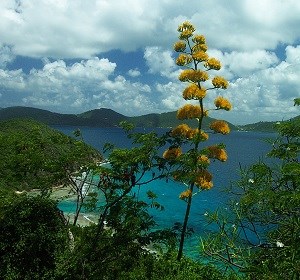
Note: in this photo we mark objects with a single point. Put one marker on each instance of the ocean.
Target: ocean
(243, 149)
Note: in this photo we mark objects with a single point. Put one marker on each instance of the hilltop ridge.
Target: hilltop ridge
(102, 117)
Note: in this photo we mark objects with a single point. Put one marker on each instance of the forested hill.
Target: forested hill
(34, 155)
(263, 126)
(100, 117)
(97, 118)
(168, 120)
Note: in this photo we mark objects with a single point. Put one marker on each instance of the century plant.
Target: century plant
(191, 167)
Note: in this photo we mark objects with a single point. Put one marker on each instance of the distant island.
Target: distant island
(108, 118)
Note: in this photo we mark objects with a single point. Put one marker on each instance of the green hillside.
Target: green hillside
(259, 126)
(101, 118)
(40, 115)
(34, 155)
(263, 126)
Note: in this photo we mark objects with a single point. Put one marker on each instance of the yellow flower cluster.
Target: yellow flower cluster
(213, 63)
(186, 29)
(186, 194)
(191, 75)
(199, 47)
(217, 153)
(219, 82)
(203, 159)
(220, 127)
(172, 153)
(223, 103)
(202, 135)
(193, 92)
(200, 56)
(184, 131)
(179, 46)
(186, 26)
(190, 111)
(199, 39)
(180, 131)
(192, 133)
(204, 180)
(183, 59)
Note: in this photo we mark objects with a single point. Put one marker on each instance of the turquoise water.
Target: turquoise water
(243, 148)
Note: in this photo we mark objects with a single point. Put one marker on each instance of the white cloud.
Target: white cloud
(266, 94)
(134, 72)
(261, 87)
(244, 35)
(171, 97)
(12, 80)
(242, 64)
(160, 62)
(82, 29)
(293, 54)
(6, 55)
(250, 24)
(77, 87)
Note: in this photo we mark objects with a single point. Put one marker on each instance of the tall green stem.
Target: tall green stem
(189, 201)
(185, 222)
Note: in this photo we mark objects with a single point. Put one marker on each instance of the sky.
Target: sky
(71, 56)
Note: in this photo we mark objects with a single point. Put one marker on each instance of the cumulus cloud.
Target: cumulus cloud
(82, 29)
(12, 79)
(134, 73)
(293, 54)
(6, 55)
(242, 64)
(85, 85)
(160, 61)
(69, 35)
(261, 86)
(171, 98)
(268, 92)
(77, 28)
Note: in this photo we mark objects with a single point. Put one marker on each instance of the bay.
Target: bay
(243, 149)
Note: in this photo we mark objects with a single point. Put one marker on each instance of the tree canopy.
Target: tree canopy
(34, 155)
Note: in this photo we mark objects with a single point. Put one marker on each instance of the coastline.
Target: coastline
(65, 193)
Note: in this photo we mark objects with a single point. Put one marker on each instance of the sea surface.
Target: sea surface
(243, 149)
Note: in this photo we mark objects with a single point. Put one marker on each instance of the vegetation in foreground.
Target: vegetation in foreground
(260, 234)
(36, 242)
(258, 239)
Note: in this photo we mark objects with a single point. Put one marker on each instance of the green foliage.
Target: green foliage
(32, 234)
(115, 258)
(36, 244)
(168, 268)
(36, 156)
(123, 177)
(118, 249)
(260, 236)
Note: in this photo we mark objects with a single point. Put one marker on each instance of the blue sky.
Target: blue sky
(70, 56)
